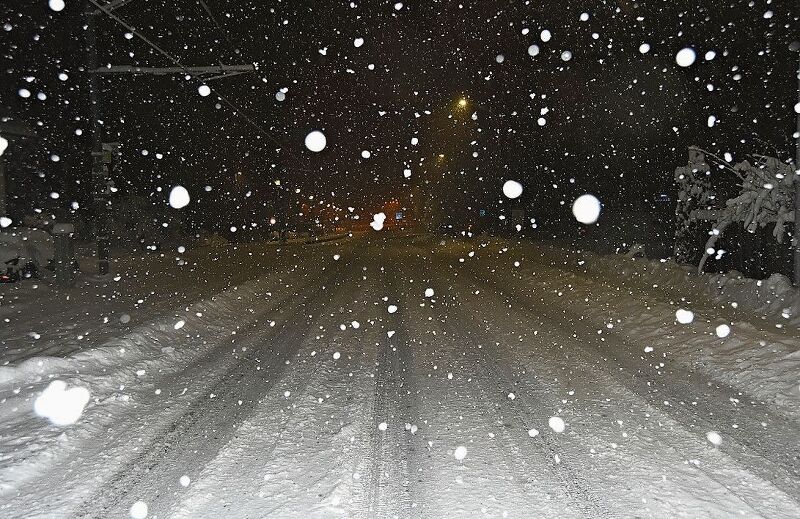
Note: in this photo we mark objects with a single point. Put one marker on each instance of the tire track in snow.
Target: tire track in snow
(667, 447)
(569, 474)
(210, 365)
(270, 436)
(751, 445)
(210, 421)
(393, 470)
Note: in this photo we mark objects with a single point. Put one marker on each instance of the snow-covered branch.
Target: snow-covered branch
(766, 197)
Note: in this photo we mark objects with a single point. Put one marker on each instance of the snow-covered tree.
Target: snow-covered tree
(694, 196)
(766, 197)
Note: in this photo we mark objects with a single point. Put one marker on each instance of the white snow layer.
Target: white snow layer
(575, 440)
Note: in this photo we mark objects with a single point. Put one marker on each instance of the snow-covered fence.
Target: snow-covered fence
(763, 197)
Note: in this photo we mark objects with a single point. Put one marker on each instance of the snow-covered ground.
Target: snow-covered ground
(743, 332)
(40, 319)
(400, 377)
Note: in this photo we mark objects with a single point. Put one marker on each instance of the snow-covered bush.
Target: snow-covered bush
(766, 197)
(754, 194)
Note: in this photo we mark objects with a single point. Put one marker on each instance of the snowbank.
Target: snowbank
(639, 298)
(121, 376)
(774, 297)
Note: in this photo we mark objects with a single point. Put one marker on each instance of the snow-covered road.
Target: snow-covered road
(411, 377)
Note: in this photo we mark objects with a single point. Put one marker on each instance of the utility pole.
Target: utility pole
(99, 177)
(100, 170)
(795, 47)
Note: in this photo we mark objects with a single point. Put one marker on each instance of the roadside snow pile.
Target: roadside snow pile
(753, 349)
(85, 393)
(146, 342)
(30, 245)
(708, 322)
(774, 296)
(741, 332)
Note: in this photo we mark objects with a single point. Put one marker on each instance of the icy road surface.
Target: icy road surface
(408, 377)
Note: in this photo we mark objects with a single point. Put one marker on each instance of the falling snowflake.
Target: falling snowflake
(512, 189)
(460, 453)
(138, 510)
(723, 330)
(377, 221)
(179, 197)
(685, 57)
(714, 437)
(316, 141)
(60, 405)
(557, 424)
(684, 316)
(586, 209)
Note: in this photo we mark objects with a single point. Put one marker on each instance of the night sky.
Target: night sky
(616, 121)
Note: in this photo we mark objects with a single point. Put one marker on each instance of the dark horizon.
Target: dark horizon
(618, 121)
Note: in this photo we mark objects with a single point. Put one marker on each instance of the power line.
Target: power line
(219, 27)
(114, 5)
(188, 72)
(219, 71)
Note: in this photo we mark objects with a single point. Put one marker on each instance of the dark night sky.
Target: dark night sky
(618, 121)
